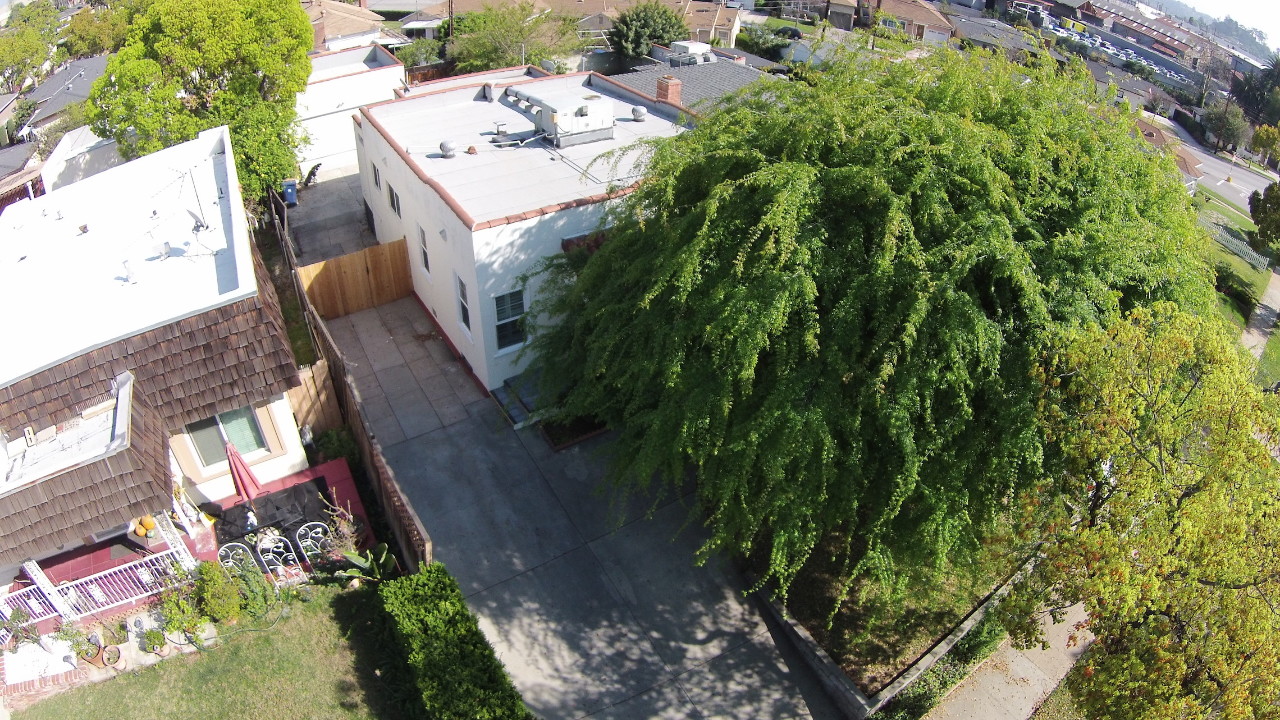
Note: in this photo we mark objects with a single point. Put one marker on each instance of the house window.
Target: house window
(394, 198)
(422, 242)
(464, 310)
(238, 427)
(377, 178)
(510, 327)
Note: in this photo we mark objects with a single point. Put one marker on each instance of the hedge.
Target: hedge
(453, 665)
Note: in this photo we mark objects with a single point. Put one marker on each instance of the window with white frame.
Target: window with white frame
(377, 177)
(510, 327)
(394, 198)
(422, 242)
(464, 309)
(238, 427)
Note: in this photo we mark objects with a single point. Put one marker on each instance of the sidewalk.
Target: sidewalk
(1012, 683)
(1263, 321)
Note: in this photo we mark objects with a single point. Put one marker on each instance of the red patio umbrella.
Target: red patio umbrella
(247, 486)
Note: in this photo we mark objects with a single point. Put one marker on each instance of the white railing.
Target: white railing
(126, 583)
(32, 601)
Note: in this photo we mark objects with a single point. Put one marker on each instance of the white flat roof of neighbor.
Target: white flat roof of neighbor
(352, 60)
(85, 265)
(498, 182)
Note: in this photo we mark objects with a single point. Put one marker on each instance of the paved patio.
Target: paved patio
(329, 218)
(597, 611)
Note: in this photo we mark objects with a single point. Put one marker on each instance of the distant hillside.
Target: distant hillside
(1253, 42)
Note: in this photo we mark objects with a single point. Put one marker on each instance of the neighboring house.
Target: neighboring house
(341, 81)
(337, 25)
(148, 268)
(78, 155)
(19, 174)
(68, 86)
(1162, 140)
(995, 35)
(145, 336)
(8, 106)
(918, 19)
(713, 23)
(486, 179)
(843, 14)
(422, 24)
(696, 86)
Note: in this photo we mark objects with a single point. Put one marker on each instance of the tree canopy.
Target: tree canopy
(93, 32)
(1226, 122)
(28, 40)
(508, 35)
(187, 67)
(1166, 528)
(828, 300)
(644, 25)
(1264, 207)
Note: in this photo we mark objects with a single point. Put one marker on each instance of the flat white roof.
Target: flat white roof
(85, 265)
(330, 65)
(495, 182)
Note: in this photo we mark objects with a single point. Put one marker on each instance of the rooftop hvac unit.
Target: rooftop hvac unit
(690, 47)
(571, 120)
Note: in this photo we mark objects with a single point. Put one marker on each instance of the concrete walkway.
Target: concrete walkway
(1263, 321)
(1012, 683)
(596, 611)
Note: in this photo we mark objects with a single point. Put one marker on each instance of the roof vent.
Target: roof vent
(448, 149)
(638, 113)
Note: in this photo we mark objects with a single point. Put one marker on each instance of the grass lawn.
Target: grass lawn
(290, 307)
(1239, 285)
(322, 660)
(776, 22)
(1238, 215)
(1059, 706)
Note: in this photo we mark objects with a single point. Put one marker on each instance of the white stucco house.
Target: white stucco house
(484, 176)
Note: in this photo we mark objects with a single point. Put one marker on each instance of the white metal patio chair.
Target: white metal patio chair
(314, 540)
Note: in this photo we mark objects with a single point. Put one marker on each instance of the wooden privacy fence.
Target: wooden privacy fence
(314, 401)
(357, 281)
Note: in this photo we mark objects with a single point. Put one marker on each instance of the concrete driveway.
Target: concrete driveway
(596, 610)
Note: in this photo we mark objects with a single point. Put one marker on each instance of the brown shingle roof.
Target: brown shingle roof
(1152, 134)
(65, 509)
(188, 370)
(915, 11)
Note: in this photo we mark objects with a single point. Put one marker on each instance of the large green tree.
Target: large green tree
(828, 298)
(1227, 123)
(645, 25)
(509, 35)
(187, 67)
(1264, 207)
(1167, 519)
(93, 32)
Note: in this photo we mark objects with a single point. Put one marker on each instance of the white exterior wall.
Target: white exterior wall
(503, 254)
(292, 460)
(450, 251)
(350, 41)
(325, 109)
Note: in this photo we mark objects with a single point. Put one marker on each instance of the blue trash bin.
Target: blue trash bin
(290, 188)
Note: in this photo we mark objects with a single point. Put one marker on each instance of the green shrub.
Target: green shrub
(180, 611)
(255, 593)
(454, 666)
(216, 593)
(339, 443)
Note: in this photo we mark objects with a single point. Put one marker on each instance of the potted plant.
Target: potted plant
(86, 647)
(154, 641)
(113, 658)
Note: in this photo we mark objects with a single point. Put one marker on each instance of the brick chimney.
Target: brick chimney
(669, 89)
(318, 35)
